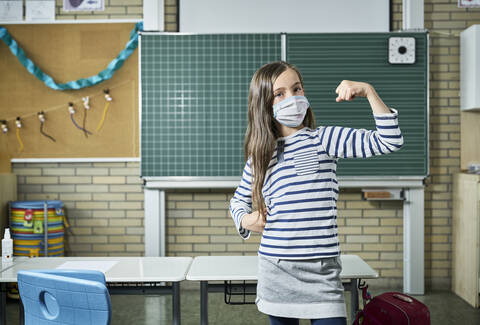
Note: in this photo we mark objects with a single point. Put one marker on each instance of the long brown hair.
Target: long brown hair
(262, 131)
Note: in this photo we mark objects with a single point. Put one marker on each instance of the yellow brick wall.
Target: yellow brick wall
(103, 203)
(171, 12)
(445, 21)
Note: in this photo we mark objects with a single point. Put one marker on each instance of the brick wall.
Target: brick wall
(445, 21)
(199, 224)
(171, 11)
(107, 211)
(103, 202)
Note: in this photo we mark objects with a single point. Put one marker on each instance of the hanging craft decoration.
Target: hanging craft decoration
(108, 99)
(86, 106)
(85, 102)
(80, 83)
(18, 121)
(41, 117)
(4, 126)
(71, 110)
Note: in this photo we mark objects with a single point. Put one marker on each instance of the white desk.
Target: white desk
(129, 275)
(15, 261)
(244, 268)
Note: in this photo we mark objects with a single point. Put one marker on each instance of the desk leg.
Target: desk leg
(176, 302)
(3, 308)
(203, 302)
(353, 299)
(21, 312)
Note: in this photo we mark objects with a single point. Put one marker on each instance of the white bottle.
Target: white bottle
(7, 247)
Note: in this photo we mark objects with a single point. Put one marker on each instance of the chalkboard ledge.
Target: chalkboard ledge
(232, 182)
(74, 160)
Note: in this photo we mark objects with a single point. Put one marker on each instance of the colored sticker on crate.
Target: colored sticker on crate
(28, 216)
(28, 223)
(38, 227)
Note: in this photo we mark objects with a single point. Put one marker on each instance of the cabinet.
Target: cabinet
(466, 237)
(469, 68)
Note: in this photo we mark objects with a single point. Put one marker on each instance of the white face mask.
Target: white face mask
(291, 111)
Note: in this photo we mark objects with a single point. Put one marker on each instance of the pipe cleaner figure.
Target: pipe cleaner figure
(71, 110)
(41, 117)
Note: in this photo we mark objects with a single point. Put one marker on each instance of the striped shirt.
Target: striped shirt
(301, 189)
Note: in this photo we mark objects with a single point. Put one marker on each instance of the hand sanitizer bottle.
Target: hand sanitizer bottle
(7, 247)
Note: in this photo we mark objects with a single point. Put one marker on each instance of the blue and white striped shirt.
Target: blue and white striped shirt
(301, 189)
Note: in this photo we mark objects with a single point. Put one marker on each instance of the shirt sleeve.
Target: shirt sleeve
(241, 202)
(342, 142)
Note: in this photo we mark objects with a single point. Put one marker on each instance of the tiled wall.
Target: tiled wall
(106, 208)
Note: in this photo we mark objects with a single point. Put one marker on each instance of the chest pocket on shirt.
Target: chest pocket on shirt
(306, 161)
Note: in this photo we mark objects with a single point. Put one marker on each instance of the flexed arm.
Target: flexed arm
(348, 90)
(340, 142)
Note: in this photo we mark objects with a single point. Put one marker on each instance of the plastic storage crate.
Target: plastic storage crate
(34, 224)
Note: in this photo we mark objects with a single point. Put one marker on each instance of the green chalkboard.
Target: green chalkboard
(194, 100)
(194, 93)
(326, 59)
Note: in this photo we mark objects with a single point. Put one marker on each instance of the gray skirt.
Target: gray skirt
(308, 289)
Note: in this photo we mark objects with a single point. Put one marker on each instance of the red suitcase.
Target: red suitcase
(393, 308)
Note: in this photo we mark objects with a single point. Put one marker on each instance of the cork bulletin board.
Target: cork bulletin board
(68, 52)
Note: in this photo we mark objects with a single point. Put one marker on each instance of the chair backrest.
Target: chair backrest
(64, 297)
(77, 274)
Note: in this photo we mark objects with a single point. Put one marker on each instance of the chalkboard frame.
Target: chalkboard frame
(228, 181)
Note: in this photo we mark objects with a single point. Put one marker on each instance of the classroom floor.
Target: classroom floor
(445, 308)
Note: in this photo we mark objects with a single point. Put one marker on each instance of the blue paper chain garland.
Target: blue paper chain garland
(80, 83)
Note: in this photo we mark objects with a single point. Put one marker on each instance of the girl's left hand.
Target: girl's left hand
(348, 90)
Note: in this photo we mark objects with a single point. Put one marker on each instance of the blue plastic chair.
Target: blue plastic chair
(64, 297)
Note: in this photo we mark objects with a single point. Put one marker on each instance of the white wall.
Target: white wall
(276, 16)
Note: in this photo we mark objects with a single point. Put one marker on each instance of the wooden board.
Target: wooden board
(470, 138)
(466, 237)
(69, 52)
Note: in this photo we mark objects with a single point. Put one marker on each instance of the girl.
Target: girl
(290, 177)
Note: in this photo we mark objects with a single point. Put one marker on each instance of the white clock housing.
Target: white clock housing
(401, 50)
